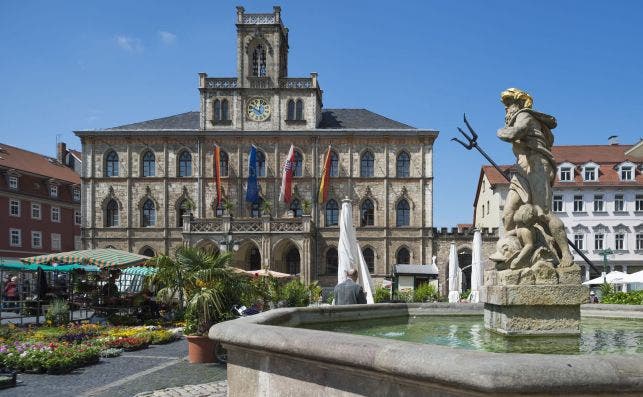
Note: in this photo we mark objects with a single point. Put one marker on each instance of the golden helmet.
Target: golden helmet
(514, 94)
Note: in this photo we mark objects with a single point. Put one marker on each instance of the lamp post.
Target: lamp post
(605, 253)
(228, 244)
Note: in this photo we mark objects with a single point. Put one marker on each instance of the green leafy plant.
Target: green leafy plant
(405, 295)
(58, 312)
(296, 294)
(306, 206)
(330, 298)
(266, 207)
(425, 292)
(606, 289)
(382, 294)
(228, 206)
(624, 298)
(465, 294)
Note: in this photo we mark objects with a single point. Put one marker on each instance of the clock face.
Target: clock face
(258, 109)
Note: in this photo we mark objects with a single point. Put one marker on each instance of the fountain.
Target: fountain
(532, 297)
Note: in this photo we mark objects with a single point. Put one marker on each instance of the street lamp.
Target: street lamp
(605, 253)
(228, 244)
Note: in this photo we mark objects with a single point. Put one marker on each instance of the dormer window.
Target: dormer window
(565, 174)
(590, 174)
(626, 173)
(259, 61)
(13, 182)
(53, 191)
(76, 194)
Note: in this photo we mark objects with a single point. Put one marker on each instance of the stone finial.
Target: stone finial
(202, 77)
(313, 77)
(277, 11)
(240, 11)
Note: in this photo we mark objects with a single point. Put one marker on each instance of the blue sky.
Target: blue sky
(70, 65)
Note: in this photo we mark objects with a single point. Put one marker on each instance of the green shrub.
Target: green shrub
(425, 292)
(58, 312)
(296, 294)
(624, 298)
(406, 296)
(382, 294)
(330, 298)
(465, 295)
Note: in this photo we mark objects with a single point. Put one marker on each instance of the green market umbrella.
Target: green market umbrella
(103, 258)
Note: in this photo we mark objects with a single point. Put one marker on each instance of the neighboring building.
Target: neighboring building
(141, 179)
(39, 204)
(598, 194)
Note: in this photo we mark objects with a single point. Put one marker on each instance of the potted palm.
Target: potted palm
(205, 287)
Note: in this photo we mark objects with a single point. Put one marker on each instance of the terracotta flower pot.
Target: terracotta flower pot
(200, 349)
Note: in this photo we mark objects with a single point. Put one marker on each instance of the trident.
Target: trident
(473, 143)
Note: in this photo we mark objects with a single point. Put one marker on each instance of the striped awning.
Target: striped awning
(24, 267)
(140, 271)
(103, 258)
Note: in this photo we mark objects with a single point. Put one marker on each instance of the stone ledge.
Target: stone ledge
(540, 295)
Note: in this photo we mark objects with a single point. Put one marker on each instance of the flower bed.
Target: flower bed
(128, 344)
(51, 358)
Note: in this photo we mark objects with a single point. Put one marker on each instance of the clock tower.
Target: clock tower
(262, 96)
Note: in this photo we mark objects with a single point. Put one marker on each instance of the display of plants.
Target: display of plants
(128, 344)
(58, 312)
(51, 358)
(426, 292)
(111, 352)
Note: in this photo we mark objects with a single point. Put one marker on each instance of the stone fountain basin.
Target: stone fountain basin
(268, 357)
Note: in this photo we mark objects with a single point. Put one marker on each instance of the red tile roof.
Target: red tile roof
(606, 156)
(34, 163)
(76, 154)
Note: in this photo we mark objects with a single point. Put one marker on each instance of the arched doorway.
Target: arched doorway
(292, 260)
(464, 261)
(248, 257)
(208, 246)
(254, 259)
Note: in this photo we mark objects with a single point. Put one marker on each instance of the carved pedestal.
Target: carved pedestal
(534, 309)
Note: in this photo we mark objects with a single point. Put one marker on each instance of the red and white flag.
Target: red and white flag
(285, 194)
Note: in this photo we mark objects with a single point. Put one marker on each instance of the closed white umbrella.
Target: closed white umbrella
(350, 254)
(454, 295)
(477, 271)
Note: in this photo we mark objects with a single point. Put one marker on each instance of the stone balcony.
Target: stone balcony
(240, 226)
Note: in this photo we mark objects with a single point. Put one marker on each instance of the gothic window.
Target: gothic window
(184, 208)
(259, 61)
(299, 110)
(111, 164)
(334, 164)
(185, 164)
(403, 257)
(367, 165)
(298, 166)
(255, 208)
(149, 213)
(332, 213)
(331, 261)
(217, 110)
(261, 164)
(149, 164)
(292, 261)
(224, 110)
(291, 110)
(111, 214)
(254, 259)
(403, 165)
(148, 252)
(369, 258)
(295, 207)
(402, 213)
(367, 213)
(223, 163)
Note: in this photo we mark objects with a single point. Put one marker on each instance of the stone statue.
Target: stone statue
(535, 234)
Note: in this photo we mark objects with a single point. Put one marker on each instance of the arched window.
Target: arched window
(185, 164)
(367, 213)
(184, 208)
(367, 166)
(291, 110)
(402, 213)
(292, 261)
(403, 257)
(332, 213)
(149, 164)
(261, 164)
(111, 164)
(298, 166)
(259, 61)
(334, 164)
(299, 110)
(225, 116)
(216, 106)
(255, 208)
(403, 165)
(148, 252)
(331, 261)
(254, 259)
(295, 207)
(369, 258)
(111, 214)
(149, 214)
(223, 163)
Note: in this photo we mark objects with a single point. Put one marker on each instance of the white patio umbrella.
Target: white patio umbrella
(614, 277)
(477, 271)
(454, 295)
(350, 254)
(633, 278)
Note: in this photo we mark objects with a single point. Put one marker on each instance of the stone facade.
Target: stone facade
(276, 237)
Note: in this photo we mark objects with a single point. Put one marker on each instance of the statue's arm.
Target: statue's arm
(519, 129)
(527, 238)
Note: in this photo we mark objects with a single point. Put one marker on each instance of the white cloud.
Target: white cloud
(130, 44)
(166, 37)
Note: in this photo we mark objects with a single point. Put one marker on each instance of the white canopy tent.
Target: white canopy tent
(477, 269)
(614, 277)
(633, 278)
(350, 254)
(454, 267)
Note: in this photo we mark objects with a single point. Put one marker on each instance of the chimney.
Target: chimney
(613, 140)
(61, 151)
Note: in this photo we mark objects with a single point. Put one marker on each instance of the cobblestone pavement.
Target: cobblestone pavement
(151, 369)
(214, 389)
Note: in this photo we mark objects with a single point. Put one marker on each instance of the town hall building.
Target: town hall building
(150, 187)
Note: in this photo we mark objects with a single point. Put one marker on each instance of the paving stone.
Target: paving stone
(215, 389)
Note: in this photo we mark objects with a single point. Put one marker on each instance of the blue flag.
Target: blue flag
(252, 191)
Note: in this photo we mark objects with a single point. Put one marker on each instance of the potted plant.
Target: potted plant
(306, 206)
(228, 207)
(206, 289)
(266, 208)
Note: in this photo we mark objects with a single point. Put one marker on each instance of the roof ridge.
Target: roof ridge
(2, 145)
